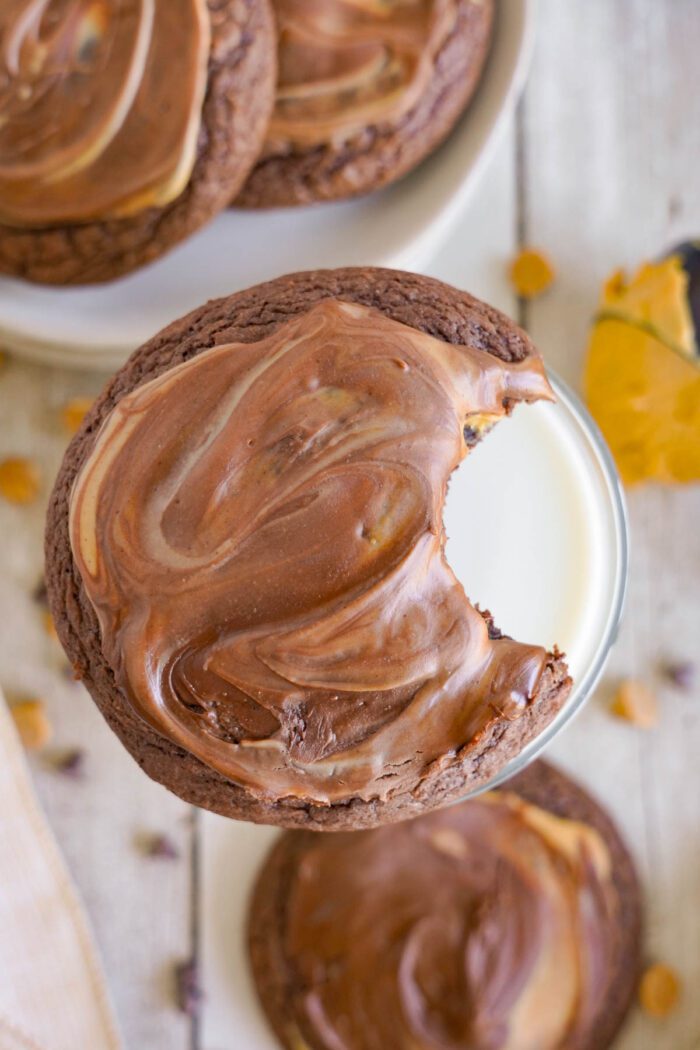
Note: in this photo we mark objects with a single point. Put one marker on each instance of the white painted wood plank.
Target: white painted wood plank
(140, 907)
(612, 137)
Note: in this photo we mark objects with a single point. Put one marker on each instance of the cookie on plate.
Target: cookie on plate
(366, 91)
(244, 552)
(509, 920)
(125, 127)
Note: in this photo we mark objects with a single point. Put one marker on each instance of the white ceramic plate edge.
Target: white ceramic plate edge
(428, 243)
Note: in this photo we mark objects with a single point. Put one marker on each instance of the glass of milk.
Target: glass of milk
(537, 534)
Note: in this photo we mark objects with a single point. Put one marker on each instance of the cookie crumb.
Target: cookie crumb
(636, 703)
(188, 993)
(20, 480)
(531, 273)
(74, 412)
(659, 990)
(32, 724)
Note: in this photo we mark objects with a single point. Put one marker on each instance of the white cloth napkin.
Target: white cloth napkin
(53, 994)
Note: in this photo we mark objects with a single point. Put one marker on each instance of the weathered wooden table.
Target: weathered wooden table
(599, 169)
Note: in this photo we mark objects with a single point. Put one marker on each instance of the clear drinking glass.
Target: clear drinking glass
(537, 533)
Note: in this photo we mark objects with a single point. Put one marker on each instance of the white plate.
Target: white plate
(401, 226)
(547, 553)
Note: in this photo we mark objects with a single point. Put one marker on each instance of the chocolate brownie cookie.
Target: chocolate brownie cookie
(366, 91)
(126, 127)
(509, 920)
(245, 552)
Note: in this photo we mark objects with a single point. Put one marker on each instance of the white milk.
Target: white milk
(537, 535)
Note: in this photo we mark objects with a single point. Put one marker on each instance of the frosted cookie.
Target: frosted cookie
(508, 921)
(367, 89)
(125, 127)
(245, 552)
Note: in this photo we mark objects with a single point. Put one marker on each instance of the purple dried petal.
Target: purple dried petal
(39, 593)
(188, 992)
(162, 847)
(70, 763)
(681, 674)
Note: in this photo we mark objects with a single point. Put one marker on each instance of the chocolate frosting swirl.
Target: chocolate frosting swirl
(260, 532)
(345, 65)
(100, 106)
(484, 926)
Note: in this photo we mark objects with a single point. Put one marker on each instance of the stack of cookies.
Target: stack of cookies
(128, 125)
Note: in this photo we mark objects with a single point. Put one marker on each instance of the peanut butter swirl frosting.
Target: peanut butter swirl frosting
(100, 106)
(486, 926)
(345, 65)
(260, 532)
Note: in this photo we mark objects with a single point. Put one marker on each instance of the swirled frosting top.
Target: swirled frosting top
(484, 926)
(100, 106)
(260, 532)
(347, 64)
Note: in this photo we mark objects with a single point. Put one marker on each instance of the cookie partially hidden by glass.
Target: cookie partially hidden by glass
(509, 920)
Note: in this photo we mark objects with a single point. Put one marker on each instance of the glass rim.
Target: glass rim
(584, 687)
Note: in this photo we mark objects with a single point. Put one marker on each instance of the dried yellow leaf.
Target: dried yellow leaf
(659, 990)
(635, 702)
(32, 724)
(74, 412)
(20, 480)
(642, 380)
(531, 273)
